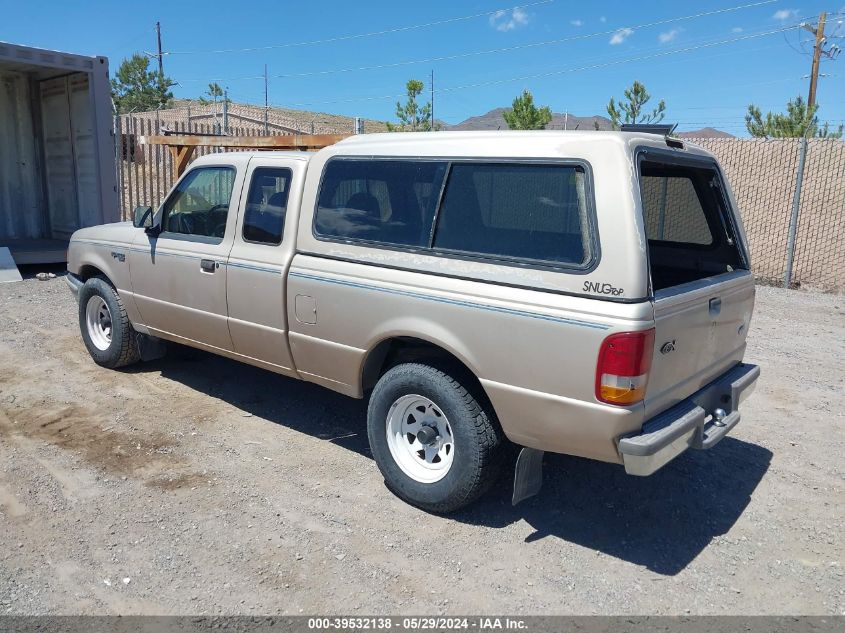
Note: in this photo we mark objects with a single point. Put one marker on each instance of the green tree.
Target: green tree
(631, 109)
(524, 115)
(136, 88)
(797, 121)
(214, 91)
(412, 116)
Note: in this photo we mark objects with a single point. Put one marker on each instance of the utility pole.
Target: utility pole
(225, 110)
(817, 56)
(266, 103)
(432, 100)
(160, 59)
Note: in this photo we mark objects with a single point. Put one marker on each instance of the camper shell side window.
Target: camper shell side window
(511, 212)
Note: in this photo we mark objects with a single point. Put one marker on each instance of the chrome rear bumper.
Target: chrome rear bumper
(700, 422)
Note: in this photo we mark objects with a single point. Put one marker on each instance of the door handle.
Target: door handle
(208, 265)
(715, 306)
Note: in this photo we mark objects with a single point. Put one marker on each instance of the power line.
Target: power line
(594, 66)
(192, 80)
(455, 95)
(517, 47)
(617, 62)
(489, 51)
(129, 44)
(342, 38)
(711, 56)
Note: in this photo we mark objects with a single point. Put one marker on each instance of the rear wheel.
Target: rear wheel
(437, 447)
(104, 325)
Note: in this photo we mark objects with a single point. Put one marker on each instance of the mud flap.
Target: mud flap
(150, 347)
(528, 474)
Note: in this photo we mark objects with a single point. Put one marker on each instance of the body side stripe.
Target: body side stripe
(167, 253)
(481, 306)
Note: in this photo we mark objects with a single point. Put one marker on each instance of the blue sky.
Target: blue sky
(707, 68)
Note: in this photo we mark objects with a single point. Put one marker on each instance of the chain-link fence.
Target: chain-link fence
(764, 175)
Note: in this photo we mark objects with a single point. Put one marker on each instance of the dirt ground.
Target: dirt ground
(198, 485)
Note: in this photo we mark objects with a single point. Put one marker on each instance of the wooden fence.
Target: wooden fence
(145, 173)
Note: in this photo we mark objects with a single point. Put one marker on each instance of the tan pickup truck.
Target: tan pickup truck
(577, 292)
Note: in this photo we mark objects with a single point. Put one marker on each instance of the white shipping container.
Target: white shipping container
(57, 162)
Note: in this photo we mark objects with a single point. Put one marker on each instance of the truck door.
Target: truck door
(258, 263)
(179, 276)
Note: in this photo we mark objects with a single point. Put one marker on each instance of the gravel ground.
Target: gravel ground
(195, 485)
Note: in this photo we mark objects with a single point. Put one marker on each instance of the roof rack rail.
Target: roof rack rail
(663, 129)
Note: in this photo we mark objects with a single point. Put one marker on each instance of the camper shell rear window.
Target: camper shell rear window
(689, 223)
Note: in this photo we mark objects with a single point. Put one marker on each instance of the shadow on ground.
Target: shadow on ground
(298, 405)
(662, 522)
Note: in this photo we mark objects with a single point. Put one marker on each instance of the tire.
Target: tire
(439, 479)
(105, 328)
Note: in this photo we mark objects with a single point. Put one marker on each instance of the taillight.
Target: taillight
(622, 370)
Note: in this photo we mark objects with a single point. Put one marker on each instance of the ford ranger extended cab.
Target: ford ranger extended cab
(586, 293)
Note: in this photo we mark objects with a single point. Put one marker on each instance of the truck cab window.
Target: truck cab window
(200, 203)
(267, 201)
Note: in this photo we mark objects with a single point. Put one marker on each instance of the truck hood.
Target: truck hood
(117, 233)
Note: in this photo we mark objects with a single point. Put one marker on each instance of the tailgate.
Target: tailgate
(700, 333)
(698, 263)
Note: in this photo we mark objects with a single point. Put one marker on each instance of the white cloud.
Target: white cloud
(621, 35)
(737, 29)
(668, 36)
(785, 14)
(508, 20)
(577, 22)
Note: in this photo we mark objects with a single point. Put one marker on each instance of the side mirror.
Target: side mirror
(142, 217)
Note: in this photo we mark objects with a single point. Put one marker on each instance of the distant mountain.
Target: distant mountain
(705, 132)
(493, 120)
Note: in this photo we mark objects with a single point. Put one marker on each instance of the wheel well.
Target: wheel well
(87, 271)
(407, 349)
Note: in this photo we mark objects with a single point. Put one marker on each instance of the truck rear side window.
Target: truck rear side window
(515, 211)
(267, 201)
(689, 226)
(384, 201)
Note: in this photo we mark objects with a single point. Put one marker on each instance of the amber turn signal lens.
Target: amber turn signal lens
(623, 365)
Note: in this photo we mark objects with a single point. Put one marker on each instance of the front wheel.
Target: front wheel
(105, 327)
(437, 447)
